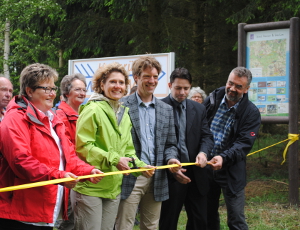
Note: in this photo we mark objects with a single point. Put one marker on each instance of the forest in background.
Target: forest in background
(202, 33)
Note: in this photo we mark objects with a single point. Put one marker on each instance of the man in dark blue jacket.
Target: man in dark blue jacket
(234, 122)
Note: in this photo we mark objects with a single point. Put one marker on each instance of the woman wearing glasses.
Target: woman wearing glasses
(34, 148)
(73, 90)
(197, 94)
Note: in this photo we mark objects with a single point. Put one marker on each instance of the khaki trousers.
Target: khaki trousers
(94, 213)
(143, 196)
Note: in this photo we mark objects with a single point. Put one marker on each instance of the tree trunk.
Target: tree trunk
(154, 25)
(61, 60)
(6, 49)
(198, 39)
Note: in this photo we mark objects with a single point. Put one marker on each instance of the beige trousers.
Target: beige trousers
(94, 213)
(143, 196)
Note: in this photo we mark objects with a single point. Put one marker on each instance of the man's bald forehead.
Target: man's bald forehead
(4, 80)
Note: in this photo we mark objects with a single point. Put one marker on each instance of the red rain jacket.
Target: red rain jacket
(29, 154)
(69, 117)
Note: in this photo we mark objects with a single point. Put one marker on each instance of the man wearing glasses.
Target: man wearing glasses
(6, 92)
(234, 122)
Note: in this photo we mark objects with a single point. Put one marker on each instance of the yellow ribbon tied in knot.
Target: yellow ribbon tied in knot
(292, 138)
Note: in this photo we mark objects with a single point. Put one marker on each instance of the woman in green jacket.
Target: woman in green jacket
(103, 139)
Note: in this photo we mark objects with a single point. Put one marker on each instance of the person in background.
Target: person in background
(234, 121)
(6, 92)
(197, 94)
(34, 148)
(154, 140)
(73, 89)
(103, 139)
(189, 186)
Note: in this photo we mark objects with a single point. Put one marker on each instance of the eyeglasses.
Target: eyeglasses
(48, 90)
(78, 90)
(199, 97)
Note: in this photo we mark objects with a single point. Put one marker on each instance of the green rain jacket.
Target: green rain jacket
(101, 139)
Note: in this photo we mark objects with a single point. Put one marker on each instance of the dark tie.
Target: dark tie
(182, 129)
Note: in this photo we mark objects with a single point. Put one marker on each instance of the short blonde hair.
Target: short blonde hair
(34, 74)
(102, 74)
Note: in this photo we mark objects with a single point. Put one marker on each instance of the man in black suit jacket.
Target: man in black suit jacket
(189, 186)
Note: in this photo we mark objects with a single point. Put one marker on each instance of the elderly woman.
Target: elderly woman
(104, 139)
(73, 89)
(34, 148)
(197, 94)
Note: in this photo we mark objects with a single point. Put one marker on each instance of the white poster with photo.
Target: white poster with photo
(87, 67)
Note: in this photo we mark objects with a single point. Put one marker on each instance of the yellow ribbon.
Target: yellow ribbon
(57, 181)
(292, 138)
(267, 147)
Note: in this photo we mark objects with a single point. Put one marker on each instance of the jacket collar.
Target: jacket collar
(217, 95)
(31, 112)
(69, 111)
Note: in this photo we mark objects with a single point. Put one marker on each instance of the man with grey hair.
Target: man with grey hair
(6, 92)
(234, 122)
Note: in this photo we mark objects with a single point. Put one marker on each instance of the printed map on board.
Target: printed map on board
(270, 55)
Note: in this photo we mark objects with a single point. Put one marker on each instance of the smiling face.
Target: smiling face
(77, 93)
(235, 88)
(114, 87)
(146, 83)
(180, 89)
(43, 101)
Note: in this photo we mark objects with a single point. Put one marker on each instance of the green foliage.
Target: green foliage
(33, 33)
(203, 34)
(28, 46)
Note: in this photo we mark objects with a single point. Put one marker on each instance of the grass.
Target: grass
(267, 211)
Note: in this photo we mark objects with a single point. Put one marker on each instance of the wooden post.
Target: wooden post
(293, 111)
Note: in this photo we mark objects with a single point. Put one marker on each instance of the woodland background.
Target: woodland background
(202, 33)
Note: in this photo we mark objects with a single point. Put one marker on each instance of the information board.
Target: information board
(267, 57)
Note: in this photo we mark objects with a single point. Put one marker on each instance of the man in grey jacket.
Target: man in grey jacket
(154, 139)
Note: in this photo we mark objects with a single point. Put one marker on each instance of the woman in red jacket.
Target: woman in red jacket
(73, 90)
(34, 148)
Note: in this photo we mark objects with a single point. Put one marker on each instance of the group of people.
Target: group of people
(113, 132)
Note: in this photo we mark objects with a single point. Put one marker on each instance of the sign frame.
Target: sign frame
(292, 119)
